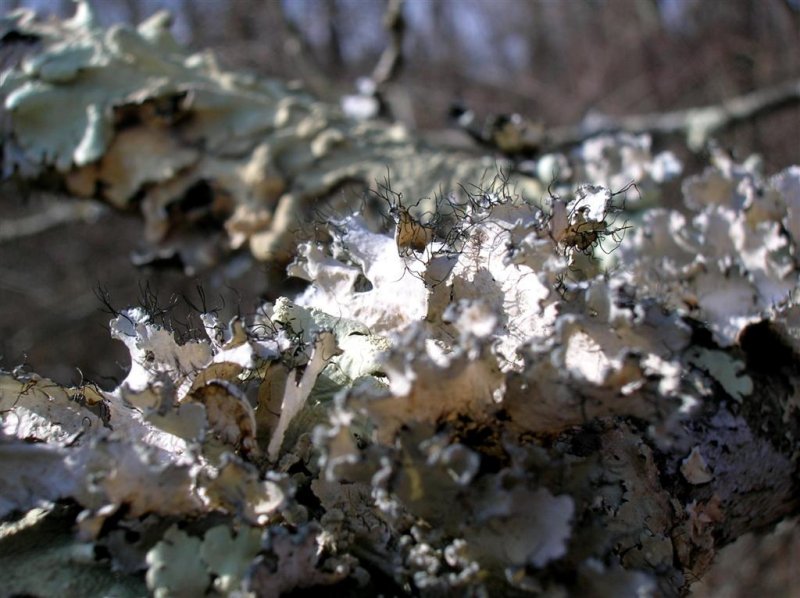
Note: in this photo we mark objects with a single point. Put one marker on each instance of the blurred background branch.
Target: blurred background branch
(698, 125)
(300, 50)
(391, 60)
(55, 212)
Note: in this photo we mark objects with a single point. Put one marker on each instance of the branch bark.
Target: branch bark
(391, 60)
(697, 125)
(56, 212)
(300, 50)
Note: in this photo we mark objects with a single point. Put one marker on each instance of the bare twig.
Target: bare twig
(371, 99)
(697, 124)
(300, 50)
(58, 213)
(391, 61)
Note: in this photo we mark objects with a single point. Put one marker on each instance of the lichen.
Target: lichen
(468, 397)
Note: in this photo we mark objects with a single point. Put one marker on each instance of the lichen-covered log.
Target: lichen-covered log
(476, 404)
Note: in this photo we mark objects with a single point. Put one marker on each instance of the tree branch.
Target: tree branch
(57, 212)
(391, 61)
(300, 50)
(698, 125)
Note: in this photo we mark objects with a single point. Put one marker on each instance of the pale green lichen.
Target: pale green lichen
(728, 372)
(176, 567)
(90, 101)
